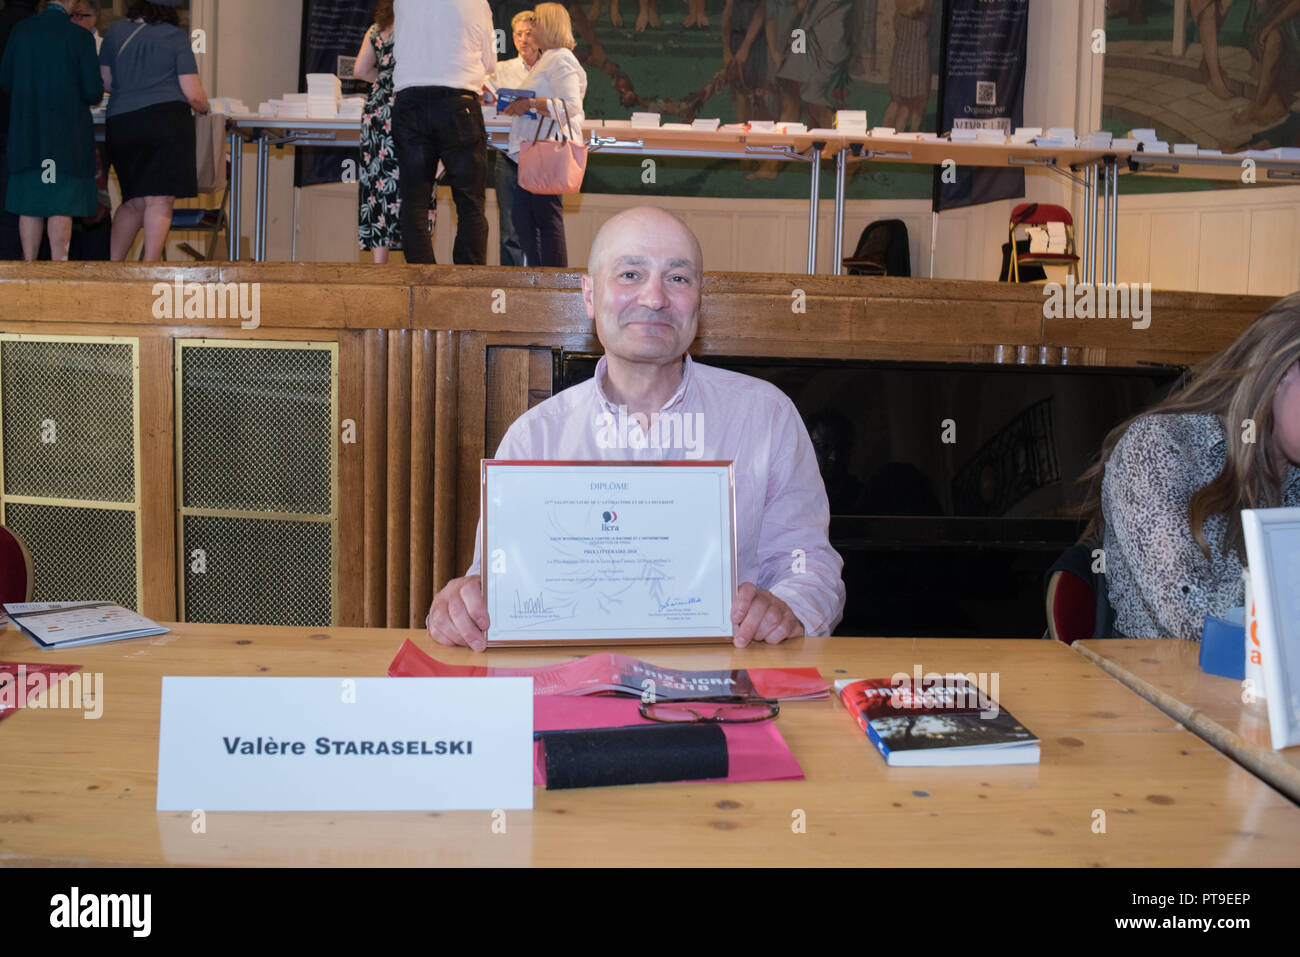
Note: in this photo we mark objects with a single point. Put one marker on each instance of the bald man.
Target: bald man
(642, 289)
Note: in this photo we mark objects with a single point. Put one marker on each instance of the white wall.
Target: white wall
(1214, 241)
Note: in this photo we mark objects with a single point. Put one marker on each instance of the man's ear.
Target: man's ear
(588, 295)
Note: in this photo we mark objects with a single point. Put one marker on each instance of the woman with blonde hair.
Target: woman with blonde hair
(559, 83)
(1173, 481)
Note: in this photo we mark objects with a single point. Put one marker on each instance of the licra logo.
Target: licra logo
(1106, 300)
(607, 520)
(209, 300)
(659, 430)
(102, 910)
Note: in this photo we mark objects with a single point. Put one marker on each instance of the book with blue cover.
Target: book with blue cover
(507, 96)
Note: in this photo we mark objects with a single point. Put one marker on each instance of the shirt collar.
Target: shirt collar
(688, 376)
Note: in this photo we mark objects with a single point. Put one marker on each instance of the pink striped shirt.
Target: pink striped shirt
(782, 515)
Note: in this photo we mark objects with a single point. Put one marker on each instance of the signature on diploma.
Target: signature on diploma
(678, 602)
(531, 606)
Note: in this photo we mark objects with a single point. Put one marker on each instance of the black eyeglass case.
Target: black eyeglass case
(637, 755)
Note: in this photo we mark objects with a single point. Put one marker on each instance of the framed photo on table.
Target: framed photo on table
(1273, 549)
(577, 553)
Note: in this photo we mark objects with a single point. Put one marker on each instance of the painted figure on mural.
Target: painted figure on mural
(1245, 54)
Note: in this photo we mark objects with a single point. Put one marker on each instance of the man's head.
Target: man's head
(642, 286)
(522, 26)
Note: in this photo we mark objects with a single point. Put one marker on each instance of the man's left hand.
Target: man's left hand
(758, 615)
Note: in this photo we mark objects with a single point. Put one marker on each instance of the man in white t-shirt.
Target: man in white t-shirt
(443, 51)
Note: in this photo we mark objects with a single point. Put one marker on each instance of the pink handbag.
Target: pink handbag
(550, 167)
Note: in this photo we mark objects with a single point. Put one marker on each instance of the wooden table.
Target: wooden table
(1167, 672)
(77, 791)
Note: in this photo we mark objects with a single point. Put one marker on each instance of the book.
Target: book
(68, 624)
(505, 96)
(953, 723)
(607, 673)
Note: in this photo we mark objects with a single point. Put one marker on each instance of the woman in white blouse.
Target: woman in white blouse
(560, 83)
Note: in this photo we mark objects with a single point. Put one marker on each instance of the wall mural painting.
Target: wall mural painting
(732, 59)
(1223, 74)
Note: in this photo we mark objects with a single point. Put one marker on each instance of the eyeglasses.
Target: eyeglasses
(712, 710)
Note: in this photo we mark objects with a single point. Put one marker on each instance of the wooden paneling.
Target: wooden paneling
(446, 451)
(423, 388)
(157, 478)
(398, 563)
(471, 437)
(507, 391)
(351, 478)
(374, 502)
(431, 374)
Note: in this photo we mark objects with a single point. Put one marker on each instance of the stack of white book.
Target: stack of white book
(1185, 149)
(1026, 134)
(1097, 140)
(351, 107)
(990, 136)
(323, 93)
(710, 125)
(1057, 136)
(645, 121)
(963, 136)
(789, 128)
(1147, 141)
(762, 126)
(1048, 238)
(228, 105)
(851, 121)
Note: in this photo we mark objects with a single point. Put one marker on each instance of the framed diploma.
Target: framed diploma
(608, 552)
(1273, 550)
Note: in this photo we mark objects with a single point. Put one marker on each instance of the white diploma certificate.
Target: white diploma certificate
(600, 552)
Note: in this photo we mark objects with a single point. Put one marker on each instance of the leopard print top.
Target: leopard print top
(1160, 583)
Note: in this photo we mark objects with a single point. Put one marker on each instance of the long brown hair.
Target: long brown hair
(384, 14)
(1235, 385)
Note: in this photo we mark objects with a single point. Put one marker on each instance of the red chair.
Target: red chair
(1040, 214)
(16, 580)
(1071, 607)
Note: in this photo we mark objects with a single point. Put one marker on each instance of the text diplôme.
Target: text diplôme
(269, 746)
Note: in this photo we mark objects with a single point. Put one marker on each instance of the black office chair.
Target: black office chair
(882, 250)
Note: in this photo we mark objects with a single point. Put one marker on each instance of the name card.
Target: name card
(345, 744)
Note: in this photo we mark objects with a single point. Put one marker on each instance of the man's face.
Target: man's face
(644, 293)
(83, 16)
(524, 41)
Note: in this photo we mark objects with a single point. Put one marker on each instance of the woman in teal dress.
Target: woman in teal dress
(50, 72)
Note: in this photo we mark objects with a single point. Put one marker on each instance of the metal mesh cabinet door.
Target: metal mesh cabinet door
(257, 481)
(69, 463)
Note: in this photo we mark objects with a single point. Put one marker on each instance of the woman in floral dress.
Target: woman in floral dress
(377, 227)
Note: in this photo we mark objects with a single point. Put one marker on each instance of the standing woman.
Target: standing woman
(48, 72)
(149, 69)
(377, 225)
(560, 83)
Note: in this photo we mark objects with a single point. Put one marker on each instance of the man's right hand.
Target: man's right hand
(458, 616)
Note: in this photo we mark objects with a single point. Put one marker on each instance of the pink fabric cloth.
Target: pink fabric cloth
(782, 515)
(755, 752)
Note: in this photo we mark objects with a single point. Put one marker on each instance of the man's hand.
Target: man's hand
(519, 107)
(457, 615)
(758, 615)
